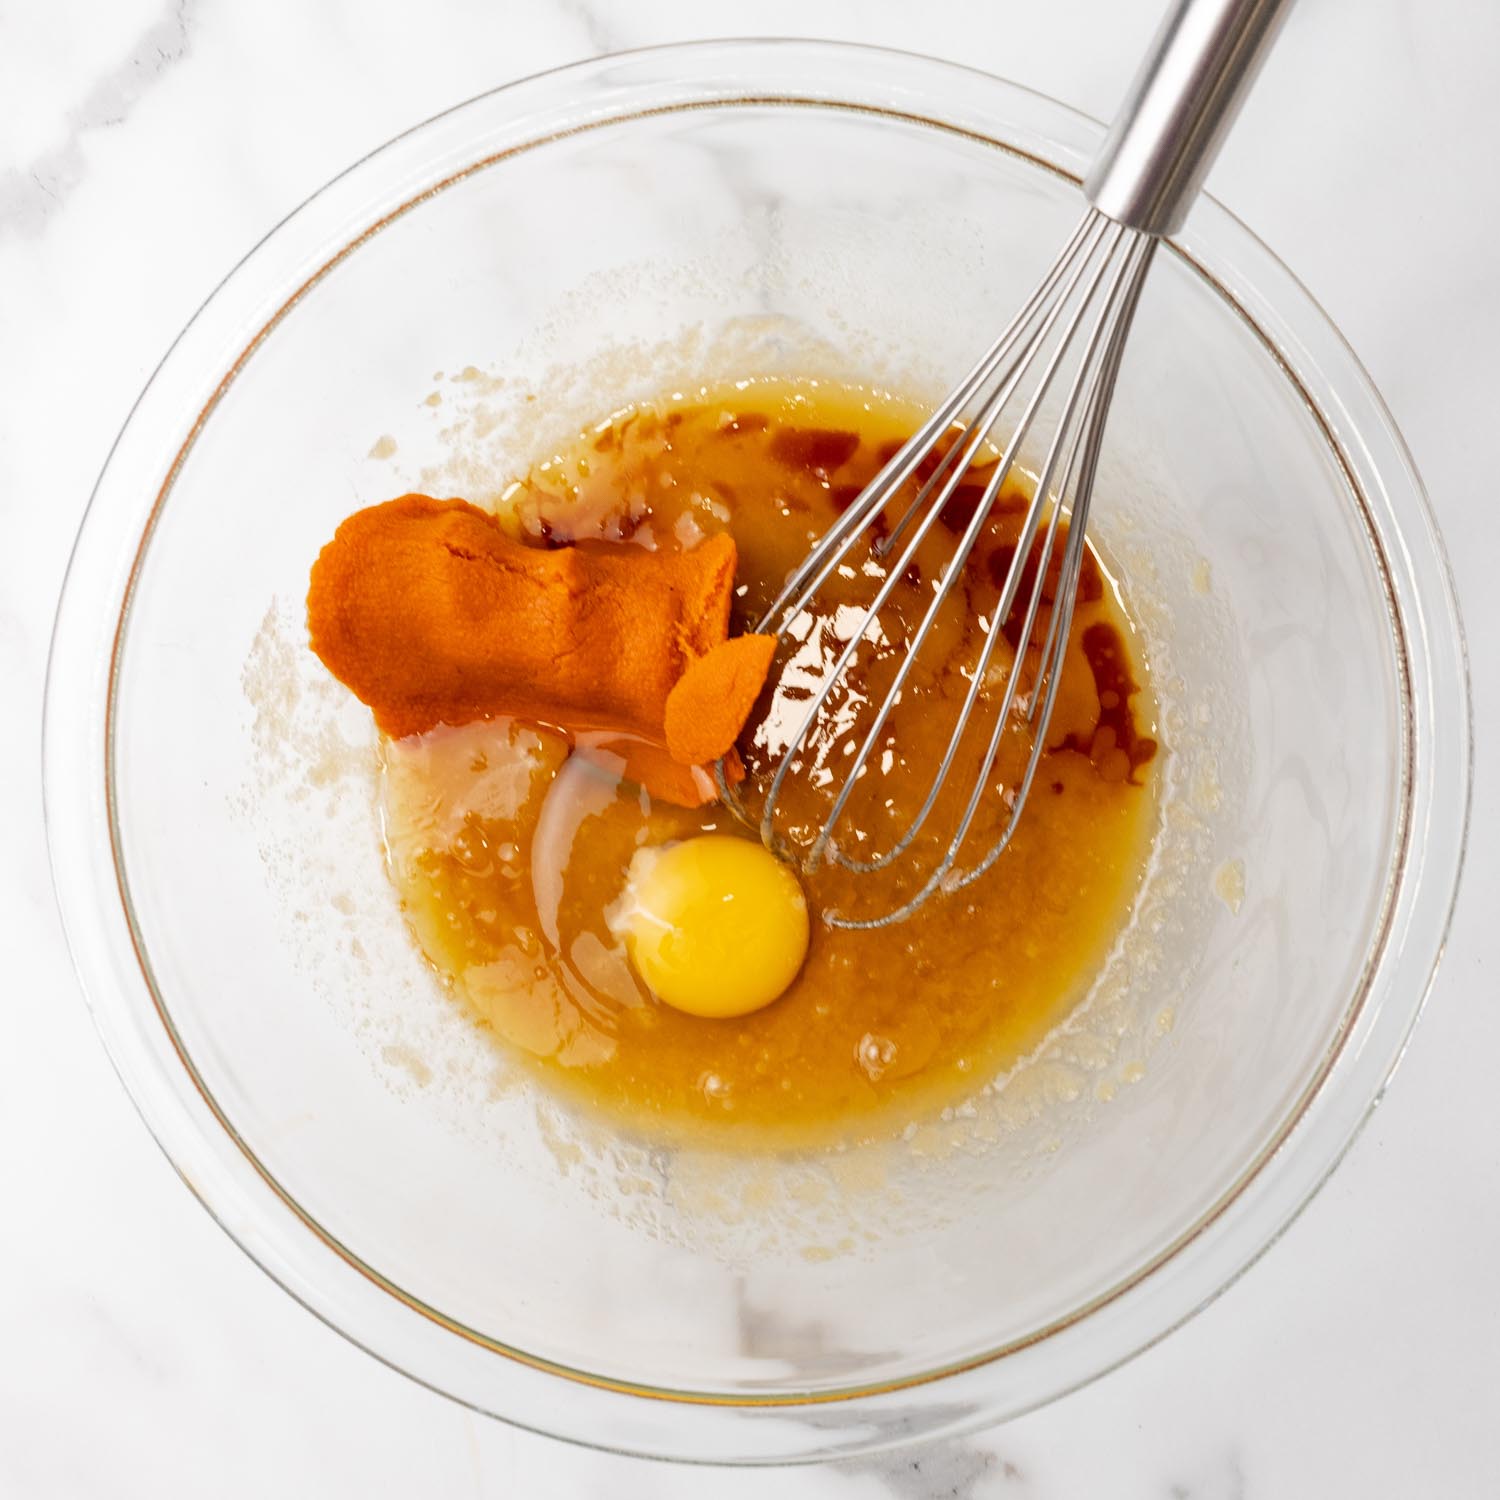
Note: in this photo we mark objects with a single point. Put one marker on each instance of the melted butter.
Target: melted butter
(509, 851)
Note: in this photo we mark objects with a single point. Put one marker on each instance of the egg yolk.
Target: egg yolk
(715, 926)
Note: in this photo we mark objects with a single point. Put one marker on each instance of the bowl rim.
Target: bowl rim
(114, 968)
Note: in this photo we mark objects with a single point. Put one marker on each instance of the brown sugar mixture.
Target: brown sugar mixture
(512, 839)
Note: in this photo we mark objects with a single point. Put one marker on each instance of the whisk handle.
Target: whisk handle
(1178, 109)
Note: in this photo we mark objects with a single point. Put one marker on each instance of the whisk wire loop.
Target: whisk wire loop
(1072, 459)
(1090, 291)
(953, 571)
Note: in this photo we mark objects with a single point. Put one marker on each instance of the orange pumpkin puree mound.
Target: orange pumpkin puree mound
(431, 614)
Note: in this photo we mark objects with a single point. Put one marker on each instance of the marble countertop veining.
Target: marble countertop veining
(144, 146)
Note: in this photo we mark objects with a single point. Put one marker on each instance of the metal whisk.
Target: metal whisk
(1062, 350)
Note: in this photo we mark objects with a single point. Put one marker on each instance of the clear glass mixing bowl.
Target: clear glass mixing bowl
(554, 249)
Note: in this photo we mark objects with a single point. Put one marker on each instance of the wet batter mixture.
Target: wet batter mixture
(512, 853)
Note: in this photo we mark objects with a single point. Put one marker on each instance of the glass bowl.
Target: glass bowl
(432, 319)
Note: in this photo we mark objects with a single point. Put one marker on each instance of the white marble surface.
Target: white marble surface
(144, 145)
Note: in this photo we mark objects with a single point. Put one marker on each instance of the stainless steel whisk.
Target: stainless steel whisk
(1068, 337)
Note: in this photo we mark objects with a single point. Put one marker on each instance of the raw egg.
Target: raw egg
(716, 926)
